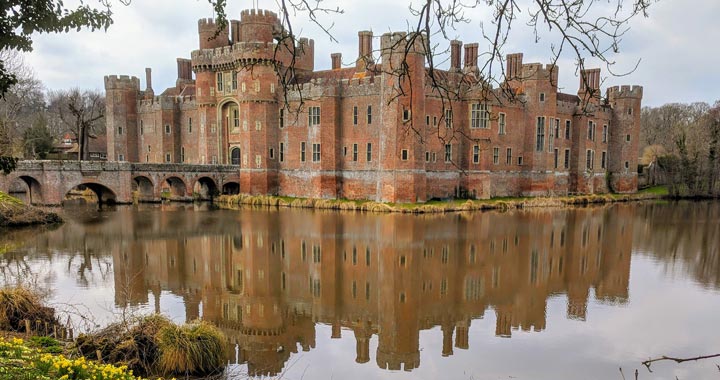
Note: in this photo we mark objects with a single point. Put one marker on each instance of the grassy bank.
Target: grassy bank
(503, 203)
(150, 345)
(14, 213)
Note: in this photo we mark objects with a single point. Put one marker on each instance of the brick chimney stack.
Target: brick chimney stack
(148, 78)
(471, 55)
(455, 51)
(336, 60)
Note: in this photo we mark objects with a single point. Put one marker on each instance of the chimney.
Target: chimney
(471, 55)
(148, 78)
(590, 81)
(455, 51)
(514, 66)
(364, 49)
(184, 69)
(235, 31)
(336, 60)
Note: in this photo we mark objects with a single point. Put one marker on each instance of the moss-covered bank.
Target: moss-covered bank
(230, 201)
(14, 213)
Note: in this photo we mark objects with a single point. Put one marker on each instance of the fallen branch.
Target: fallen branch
(648, 362)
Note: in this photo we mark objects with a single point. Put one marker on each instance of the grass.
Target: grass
(14, 213)
(195, 348)
(19, 304)
(655, 190)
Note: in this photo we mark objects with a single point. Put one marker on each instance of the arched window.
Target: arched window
(235, 156)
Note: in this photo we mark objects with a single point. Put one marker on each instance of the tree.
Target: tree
(38, 140)
(80, 113)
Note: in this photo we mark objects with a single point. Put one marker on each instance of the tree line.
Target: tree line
(33, 119)
(681, 144)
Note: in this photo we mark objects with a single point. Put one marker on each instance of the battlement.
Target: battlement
(394, 361)
(257, 50)
(398, 41)
(617, 92)
(207, 23)
(113, 82)
(536, 71)
(258, 16)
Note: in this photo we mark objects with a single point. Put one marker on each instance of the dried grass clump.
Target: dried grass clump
(14, 213)
(195, 348)
(19, 304)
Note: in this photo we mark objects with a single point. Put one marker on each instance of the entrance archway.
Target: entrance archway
(231, 188)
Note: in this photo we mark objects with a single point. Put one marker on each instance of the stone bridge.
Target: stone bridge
(48, 182)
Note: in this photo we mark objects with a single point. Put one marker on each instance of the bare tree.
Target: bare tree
(80, 113)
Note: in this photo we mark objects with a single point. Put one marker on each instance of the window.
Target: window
(219, 82)
(567, 158)
(213, 160)
(520, 160)
(406, 114)
(627, 165)
(404, 154)
(448, 118)
(448, 152)
(316, 152)
(167, 129)
(272, 88)
(602, 160)
(355, 115)
(182, 154)
(282, 152)
(257, 86)
(630, 111)
(121, 157)
(344, 151)
(302, 151)
(281, 119)
(434, 121)
(234, 80)
(605, 133)
(476, 154)
(588, 159)
(369, 152)
(427, 156)
(142, 127)
(355, 152)
(556, 157)
(258, 125)
(427, 119)
(542, 96)
(148, 148)
(189, 125)
(551, 139)
(242, 87)
(313, 116)
(272, 153)
(540, 139)
(591, 130)
(627, 138)
(236, 118)
(496, 155)
(567, 129)
(235, 156)
(501, 123)
(167, 157)
(479, 116)
(508, 159)
(369, 115)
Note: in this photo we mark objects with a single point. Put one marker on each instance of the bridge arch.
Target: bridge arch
(144, 187)
(206, 188)
(231, 188)
(104, 194)
(174, 188)
(27, 188)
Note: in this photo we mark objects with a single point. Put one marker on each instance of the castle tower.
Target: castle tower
(403, 119)
(121, 95)
(624, 137)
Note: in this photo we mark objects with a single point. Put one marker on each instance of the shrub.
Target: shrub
(196, 348)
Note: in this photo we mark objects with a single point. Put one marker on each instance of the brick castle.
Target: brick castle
(348, 132)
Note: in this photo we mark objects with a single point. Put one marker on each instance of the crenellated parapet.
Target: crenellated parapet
(536, 71)
(624, 92)
(246, 54)
(121, 82)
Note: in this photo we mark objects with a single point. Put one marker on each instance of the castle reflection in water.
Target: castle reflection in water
(269, 277)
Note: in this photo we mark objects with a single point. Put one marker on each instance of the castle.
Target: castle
(367, 132)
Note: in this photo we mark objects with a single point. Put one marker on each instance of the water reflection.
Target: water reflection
(271, 279)
(268, 277)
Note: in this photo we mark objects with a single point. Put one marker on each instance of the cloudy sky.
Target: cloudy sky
(673, 46)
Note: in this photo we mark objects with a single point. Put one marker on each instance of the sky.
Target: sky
(672, 48)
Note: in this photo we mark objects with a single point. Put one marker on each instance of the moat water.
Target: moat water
(302, 294)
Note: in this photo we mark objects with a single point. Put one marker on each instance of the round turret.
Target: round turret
(258, 25)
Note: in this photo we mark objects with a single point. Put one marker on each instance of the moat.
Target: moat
(540, 294)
